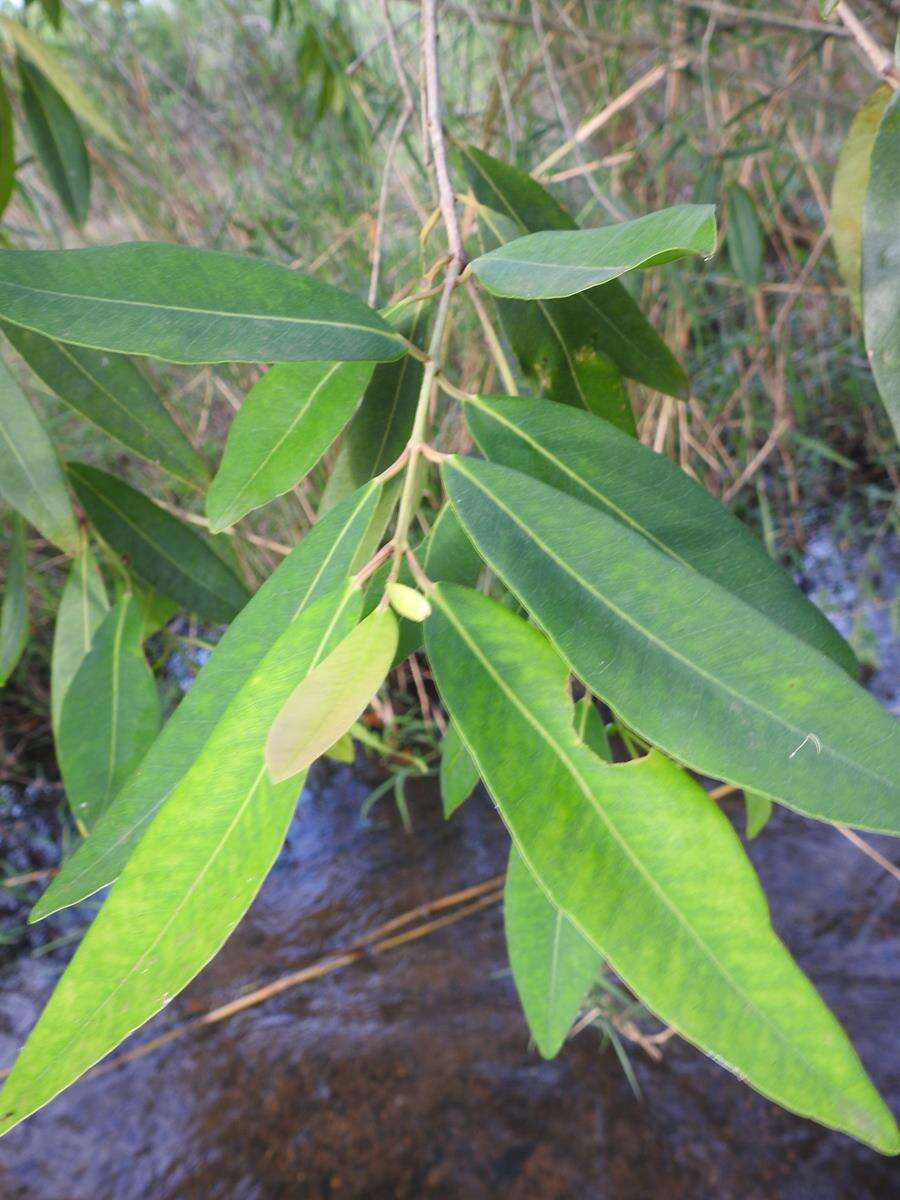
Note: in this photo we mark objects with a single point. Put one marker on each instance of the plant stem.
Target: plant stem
(434, 120)
(406, 509)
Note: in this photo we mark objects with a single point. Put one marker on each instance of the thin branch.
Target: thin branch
(434, 118)
(881, 59)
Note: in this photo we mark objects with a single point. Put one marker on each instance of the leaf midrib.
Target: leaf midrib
(623, 843)
(154, 307)
(664, 646)
(151, 812)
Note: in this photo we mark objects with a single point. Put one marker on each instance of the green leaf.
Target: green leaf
(188, 883)
(759, 810)
(327, 554)
(57, 141)
(7, 147)
(188, 306)
(567, 345)
(553, 964)
(381, 426)
(14, 610)
(343, 749)
(288, 420)
(458, 775)
(81, 610)
(52, 69)
(330, 698)
(848, 192)
(590, 728)
(646, 867)
(687, 665)
(881, 261)
(30, 476)
(110, 715)
(557, 263)
(590, 460)
(744, 238)
(109, 391)
(161, 550)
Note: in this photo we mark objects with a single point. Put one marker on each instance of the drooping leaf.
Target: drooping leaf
(327, 554)
(190, 880)
(759, 810)
(30, 476)
(162, 550)
(685, 663)
(288, 420)
(646, 867)
(848, 193)
(82, 608)
(381, 426)
(109, 391)
(744, 239)
(330, 698)
(7, 147)
(881, 261)
(458, 774)
(593, 462)
(52, 69)
(110, 714)
(14, 609)
(557, 263)
(57, 140)
(553, 964)
(557, 341)
(188, 306)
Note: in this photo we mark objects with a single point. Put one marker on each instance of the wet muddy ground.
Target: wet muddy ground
(410, 1075)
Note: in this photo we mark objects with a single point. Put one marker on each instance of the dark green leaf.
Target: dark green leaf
(7, 148)
(110, 714)
(744, 237)
(881, 261)
(327, 554)
(29, 44)
(30, 476)
(190, 880)
(114, 395)
(81, 610)
(459, 776)
(595, 463)
(556, 263)
(381, 426)
(288, 420)
(161, 550)
(603, 323)
(553, 964)
(686, 664)
(188, 306)
(646, 867)
(14, 610)
(57, 141)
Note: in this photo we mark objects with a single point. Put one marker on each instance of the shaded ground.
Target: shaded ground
(411, 1076)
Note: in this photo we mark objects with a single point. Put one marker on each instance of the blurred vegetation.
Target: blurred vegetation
(270, 129)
